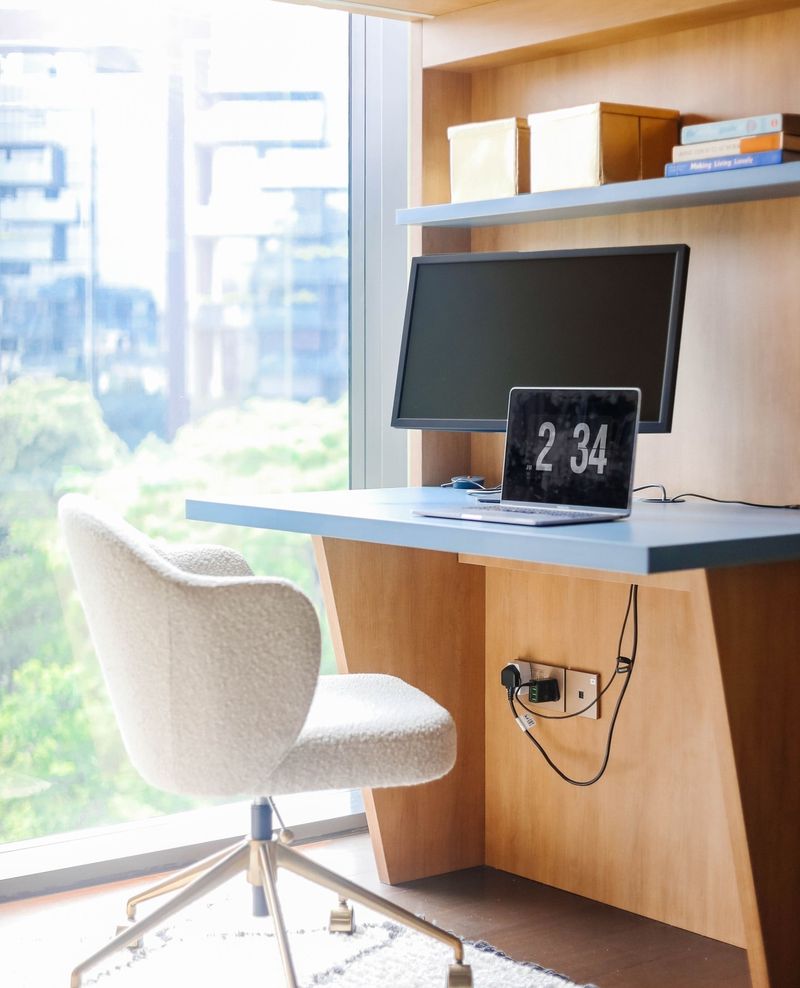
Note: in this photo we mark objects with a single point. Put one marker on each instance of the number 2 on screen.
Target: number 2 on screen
(546, 428)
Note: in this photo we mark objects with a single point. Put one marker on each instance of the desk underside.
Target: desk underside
(694, 822)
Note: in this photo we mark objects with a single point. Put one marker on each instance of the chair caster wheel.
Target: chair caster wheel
(342, 919)
(134, 944)
(459, 976)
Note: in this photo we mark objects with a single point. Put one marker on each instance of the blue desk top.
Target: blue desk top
(657, 538)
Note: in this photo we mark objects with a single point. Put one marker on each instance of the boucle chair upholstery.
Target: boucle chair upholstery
(213, 674)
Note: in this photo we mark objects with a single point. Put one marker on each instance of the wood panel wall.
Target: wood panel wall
(418, 615)
(635, 839)
(655, 835)
(509, 31)
(737, 396)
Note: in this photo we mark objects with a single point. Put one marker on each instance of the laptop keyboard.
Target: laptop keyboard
(541, 512)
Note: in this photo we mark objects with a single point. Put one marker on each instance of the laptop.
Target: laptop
(569, 458)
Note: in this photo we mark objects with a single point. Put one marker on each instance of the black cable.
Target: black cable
(618, 670)
(678, 499)
(633, 600)
(722, 500)
(647, 487)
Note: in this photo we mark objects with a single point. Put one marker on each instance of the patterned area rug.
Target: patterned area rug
(218, 944)
(378, 953)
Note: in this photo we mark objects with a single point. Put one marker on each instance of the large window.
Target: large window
(173, 321)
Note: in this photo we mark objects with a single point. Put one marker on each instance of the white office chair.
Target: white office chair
(213, 675)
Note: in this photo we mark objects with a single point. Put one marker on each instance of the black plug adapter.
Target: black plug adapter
(543, 690)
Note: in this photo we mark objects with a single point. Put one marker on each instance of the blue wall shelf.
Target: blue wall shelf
(739, 185)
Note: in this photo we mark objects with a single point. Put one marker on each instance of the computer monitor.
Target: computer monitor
(477, 325)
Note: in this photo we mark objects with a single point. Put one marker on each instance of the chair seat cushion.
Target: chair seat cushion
(367, 730)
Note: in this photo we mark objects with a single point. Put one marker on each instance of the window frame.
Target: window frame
(379, 115)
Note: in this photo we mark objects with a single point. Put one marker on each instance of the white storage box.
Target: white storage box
(600, 142)
(489, 160)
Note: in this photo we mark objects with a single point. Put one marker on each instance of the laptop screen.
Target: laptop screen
(571, 446)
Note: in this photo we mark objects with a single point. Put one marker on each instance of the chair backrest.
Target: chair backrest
(210, 676)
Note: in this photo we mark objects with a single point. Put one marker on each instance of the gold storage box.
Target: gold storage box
(489, 160)
(600, 142)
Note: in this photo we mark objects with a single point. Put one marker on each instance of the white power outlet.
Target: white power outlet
(581, 688)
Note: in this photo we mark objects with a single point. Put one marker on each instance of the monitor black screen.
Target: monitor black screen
(477, 325)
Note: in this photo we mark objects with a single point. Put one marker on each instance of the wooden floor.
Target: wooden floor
(588, 942)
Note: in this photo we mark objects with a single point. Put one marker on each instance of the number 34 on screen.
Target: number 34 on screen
(584, 457)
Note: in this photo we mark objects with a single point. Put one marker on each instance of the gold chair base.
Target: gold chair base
(260, 860)
(132, 944)
(459, 976)
(341, 920)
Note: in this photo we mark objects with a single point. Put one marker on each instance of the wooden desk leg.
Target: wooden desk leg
(418, 615)
(755, 624)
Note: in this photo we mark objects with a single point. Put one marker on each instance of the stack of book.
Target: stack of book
(746, 142)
